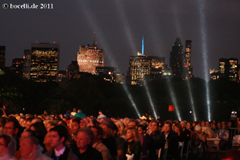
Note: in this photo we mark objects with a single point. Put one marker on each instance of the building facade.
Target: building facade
(27, 63)
(228, 69)
(144, 67)
(89, 57)
(17, 65)
(2, 56)
(73, 70)
(187, 59)
(107, 73)
(177, 59)
(44, 62)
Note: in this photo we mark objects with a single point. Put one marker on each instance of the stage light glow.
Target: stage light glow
(149, 20)
(93, 23)
(191, 99)
(126, 27)
(178, 30)
(150, 99)
(177, 24)
(173, 96)
(128, 33)
(202, 6)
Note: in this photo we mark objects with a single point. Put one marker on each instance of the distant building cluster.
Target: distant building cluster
(41, 64)
(147, 68)
(228, 69)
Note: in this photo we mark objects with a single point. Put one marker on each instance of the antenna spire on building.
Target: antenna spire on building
(142, 45)
(94, 38)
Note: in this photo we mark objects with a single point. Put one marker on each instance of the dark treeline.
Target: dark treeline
(91, 93)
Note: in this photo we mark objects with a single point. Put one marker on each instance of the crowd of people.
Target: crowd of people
(74, 136)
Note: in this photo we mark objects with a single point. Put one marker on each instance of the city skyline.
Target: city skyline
(119, 27)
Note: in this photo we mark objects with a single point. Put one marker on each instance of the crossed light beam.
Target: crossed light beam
(202, 6)
(128, 33)
(93, 23)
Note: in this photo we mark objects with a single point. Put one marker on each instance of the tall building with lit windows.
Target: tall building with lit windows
(17, 65)
(2, 56)
(106, 73)
(233, 69)
(180, 62)
(27, 63)
(89, 57)
(177, 59)
(44, 62)
(228, 69)
(144, 67)
(187, 59)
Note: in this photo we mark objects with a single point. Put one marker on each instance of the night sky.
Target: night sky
(120, 25)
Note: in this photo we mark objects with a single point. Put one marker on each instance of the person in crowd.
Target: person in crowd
(215, 129)
(75, 126)
(6, 108)
(28, 122)
(47, 141)
(68, 113)
(224, 136)
(186, 135)
(121, 130)
(121, 144)
(125, 121)
(50, 124)
(155, 140)
(204, 132)
(132, 124)
(31, 150)
(171, 143)
(36, 120)
(85, 139)
(59, 135)
(181, 135)
(22, 121)
(40, 130)
(74, 112)
(108, 135)
(133, 143)
(80, 114)
(203, 124)
(101, 115)
(12, 128)
(207, 124)
(219, 126)
(2, 124)
(7, 147)
(185, 130)
(97, 143)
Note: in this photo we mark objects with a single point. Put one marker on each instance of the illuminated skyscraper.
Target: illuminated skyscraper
(17, 65)
(90, 57)
(73, 70)
(107, 73)
(187, 61)
(177, 59)
(233, 69)
(44, 62)
(2, 56)
(144, 67)
(228, 69)
(214, 74)
(27, 63)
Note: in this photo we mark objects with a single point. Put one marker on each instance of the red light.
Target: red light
(54, 42)
(36, 41)
(94, 32)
